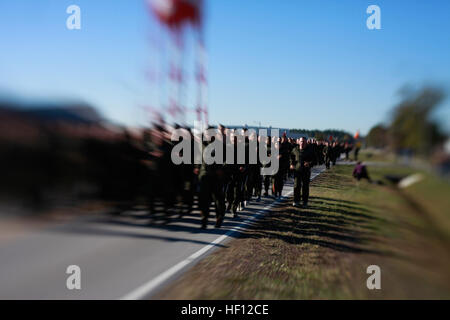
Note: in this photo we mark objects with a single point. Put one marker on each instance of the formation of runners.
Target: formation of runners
(230, 185)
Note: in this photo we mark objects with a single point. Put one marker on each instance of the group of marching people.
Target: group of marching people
(230, 185)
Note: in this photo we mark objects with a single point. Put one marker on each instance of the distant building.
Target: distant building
(281, 131)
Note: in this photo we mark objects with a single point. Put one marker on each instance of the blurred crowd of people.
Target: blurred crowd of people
(53, 157)
(230, 185)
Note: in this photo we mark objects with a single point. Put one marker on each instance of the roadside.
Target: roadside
(120, 256)
(323, 252)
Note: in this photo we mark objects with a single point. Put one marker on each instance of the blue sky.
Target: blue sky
(290, 63)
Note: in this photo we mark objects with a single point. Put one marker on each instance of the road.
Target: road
(119, 257)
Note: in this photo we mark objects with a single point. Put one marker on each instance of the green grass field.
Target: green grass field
(374, 155)
(322, 252)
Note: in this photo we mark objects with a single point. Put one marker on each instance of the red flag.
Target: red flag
(176, 13)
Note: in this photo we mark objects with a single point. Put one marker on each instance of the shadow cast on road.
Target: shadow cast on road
(100, 231)
(139, 224)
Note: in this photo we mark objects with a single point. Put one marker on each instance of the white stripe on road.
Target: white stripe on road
(145, 290)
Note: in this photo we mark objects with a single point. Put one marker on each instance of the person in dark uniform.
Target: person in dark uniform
(159, 150)
(315, 148)
(278, 177)
(291, 147)
(285, 151)
(231, 171)
(238, 180)
(267, 178)
(258, 179)
(326, 151)
(189, 180)
(283, 156)
(253, 168)
(211, 179)
(348, 148)
(334, 152)
(302, 159)
(320, 157)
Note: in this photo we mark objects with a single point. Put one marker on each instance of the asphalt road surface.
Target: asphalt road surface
(119, 257)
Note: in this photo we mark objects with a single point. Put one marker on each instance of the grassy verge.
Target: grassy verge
(323, 252)
(374, 155)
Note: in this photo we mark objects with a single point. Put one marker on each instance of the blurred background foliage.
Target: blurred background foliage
(412, 128)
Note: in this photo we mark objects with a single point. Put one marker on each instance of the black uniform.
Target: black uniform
(211, 180)
(267, 178)
(326, 151)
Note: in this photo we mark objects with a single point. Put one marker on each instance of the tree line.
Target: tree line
(412, 127)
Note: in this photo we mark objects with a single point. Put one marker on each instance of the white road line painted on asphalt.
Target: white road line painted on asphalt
(145, 290)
